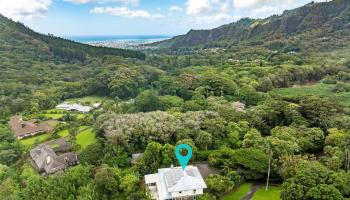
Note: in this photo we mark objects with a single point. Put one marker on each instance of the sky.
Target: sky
(136, 17)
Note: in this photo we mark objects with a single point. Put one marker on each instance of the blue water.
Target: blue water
(120, 38)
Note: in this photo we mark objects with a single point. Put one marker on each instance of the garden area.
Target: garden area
(255, 192)
(84, 138)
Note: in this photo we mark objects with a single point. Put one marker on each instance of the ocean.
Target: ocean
(136, 39)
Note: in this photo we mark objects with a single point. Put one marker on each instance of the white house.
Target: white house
(175, 184)
(74, 107)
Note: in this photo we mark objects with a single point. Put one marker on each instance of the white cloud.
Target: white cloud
(258, 3)
(131, 2)
(247, 3)
(197, 7)
(125, 12)
(217, 19)
(208, 7)
(175, 9)
(210, 12)
(264, 11)
(24, 9)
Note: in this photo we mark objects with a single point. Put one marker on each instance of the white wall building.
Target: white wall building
(175, 184)
(74, 107)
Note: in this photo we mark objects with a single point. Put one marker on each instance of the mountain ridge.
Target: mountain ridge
(317, 19)
(56, 46)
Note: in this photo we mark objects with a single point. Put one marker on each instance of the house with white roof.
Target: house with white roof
(74, 107)
(174, 183)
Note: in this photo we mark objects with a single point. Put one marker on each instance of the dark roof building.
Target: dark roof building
(46, 160)
(22, 129)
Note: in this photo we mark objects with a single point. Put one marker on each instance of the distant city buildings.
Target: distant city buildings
(174, 183)
(124, 45)
(23, 129)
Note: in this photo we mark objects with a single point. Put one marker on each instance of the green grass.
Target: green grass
(32, 140)
(53, 116)
(320, 89)
(28, 172)
(59, 116)
(53, 123)
(240, 192)
(273, 193)
(85, 138)
(63, 133)
(55, 111)
(54, 146)
(80, 116)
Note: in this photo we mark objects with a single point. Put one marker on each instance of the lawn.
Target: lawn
(28, 171)
(86, 137)
(320, 89)
(240, 192)
(32, 140)
(55, 111)
(53, 116)
(60, 115)
(273, 193)
(63, 133)
(53, 123)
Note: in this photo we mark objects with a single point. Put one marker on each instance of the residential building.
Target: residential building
(23, 129)
(176, 184)
(46, 160)
(74, 107)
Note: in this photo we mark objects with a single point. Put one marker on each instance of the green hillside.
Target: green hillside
(19, 39)
(320, 24)
(48, 68)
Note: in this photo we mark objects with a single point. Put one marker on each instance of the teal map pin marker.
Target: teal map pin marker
(183, 159)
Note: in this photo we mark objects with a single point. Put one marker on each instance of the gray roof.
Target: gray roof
(46, 159)
(69, 157)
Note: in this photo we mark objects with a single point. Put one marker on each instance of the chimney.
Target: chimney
(172, 166)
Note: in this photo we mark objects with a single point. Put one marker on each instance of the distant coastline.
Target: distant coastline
(119, 38)
(120, 41)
